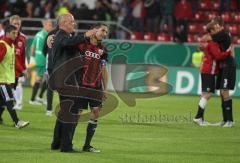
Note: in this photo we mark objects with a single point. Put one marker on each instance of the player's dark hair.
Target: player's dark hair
(98, 25)
(218, 20)
(9, 28)
(210, 26)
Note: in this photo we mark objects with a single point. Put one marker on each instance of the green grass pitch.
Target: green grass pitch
(155, 130)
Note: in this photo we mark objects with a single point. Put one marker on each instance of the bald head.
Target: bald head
(67, 23)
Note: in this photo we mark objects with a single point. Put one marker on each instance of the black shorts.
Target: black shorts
(85, 102)
(75, 106)
(208, 83)
(6, 94)
(226, 78)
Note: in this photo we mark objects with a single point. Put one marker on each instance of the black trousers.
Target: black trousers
(66, 123)
(49, 93)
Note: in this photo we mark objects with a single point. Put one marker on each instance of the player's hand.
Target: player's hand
(230, 49)
(26, 74)
(91, 32)
(50, 41)
(32, 62)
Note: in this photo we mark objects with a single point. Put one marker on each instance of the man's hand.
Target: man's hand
(91, 32)
(32, 62)
(26, 74)
(230, 49)
(50, 41)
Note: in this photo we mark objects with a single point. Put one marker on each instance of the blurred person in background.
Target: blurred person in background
(40, 60)
(20, 61)
(152, 15)
(183, 14)
(166, 11)
(47, 11)
(137, 15)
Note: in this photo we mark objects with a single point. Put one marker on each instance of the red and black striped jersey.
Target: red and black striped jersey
(94, 58)
(212, 55)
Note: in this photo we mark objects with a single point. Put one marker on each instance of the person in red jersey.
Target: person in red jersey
(93, 75)
(7, 74)
(20, 61)
(208, 70)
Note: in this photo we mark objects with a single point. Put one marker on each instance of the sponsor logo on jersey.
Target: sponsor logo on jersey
(92, 55)
(100, 51)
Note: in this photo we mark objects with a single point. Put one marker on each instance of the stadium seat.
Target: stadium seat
(211, 15)
(149, 36)
(199, 38)
(164, 37)
(237, 16)
(191, 38)
(205, 5)
(204, 28)
(226, 16)
(136, 36)
(238, 41)
(195, 28)
(233, 29)
(199, 16)
(215, 6)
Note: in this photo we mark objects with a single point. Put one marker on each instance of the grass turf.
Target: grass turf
(155, 130)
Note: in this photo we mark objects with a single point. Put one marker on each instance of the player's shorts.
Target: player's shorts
(6, 94)
(226, 78)
(208, 83)
(40, 70)
(75, 107)
(85, 102)
(20, 79)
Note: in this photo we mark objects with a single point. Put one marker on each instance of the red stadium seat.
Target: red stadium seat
(199, 16)
(237, 17)
(191, 38)
(149, 36)
(233, 29)
(205, 5)
(226, 16)
(163, 37)
(211, 15)
(215, 5)
(199, 38)
(204, 28)
(238, 41)
(195, 28)
(136, 36)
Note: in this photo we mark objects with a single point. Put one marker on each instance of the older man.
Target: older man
(65, 48)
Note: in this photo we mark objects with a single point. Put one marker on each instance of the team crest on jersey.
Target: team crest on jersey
(100, 51)
(20, 44)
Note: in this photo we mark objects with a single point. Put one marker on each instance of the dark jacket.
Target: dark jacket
(223, 38)
(48, 51)
(65, 48)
